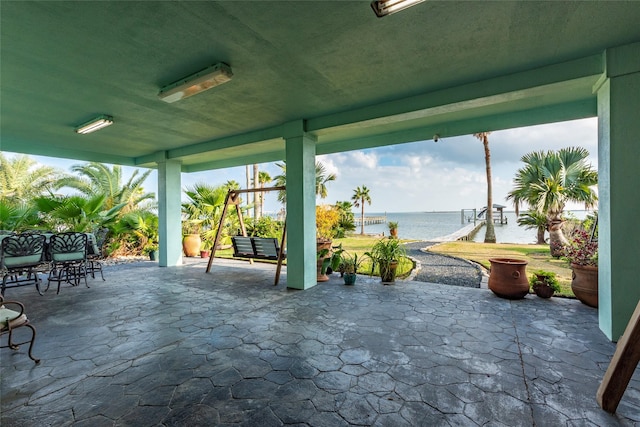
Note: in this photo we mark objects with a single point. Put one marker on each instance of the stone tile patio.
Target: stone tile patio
(178, 347)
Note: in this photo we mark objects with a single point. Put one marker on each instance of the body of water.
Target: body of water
(436, 225)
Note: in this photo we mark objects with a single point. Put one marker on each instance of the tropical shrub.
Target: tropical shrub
(327, 218)
(264, 227)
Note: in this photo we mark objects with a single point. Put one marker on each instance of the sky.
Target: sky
(424, 176)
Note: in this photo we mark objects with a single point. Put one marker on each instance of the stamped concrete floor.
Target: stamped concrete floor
(177, 347)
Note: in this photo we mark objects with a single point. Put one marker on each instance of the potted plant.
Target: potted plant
(386, 254)
(582, 253)
(327, 218)
(205, 247)
(152, 250)
(393, 228)
(349, 265)
(544, 283)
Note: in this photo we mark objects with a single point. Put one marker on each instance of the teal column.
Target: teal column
(301, 207)
(618, 153)
(169, 213)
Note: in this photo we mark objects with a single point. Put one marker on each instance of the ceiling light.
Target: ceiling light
(196, 83)
(95, 124)
(387, 7)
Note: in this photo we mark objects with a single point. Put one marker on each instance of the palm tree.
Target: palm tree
(256, 196)
(96, 178)
(322, 178)
(536, 220)
(21, 178)
(204, 209)
(263, 178)
(490, 234)
(77, 213)
(551, 179)
(347, 222)
(281, 181)
(361, 195)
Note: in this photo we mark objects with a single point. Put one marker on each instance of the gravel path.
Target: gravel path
(436, 268)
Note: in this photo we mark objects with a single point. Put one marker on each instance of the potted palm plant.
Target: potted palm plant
(386, 253)
(393, 228)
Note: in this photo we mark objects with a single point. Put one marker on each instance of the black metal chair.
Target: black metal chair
(94, 254)
(11, 320)
(68, 254)
(22, 256)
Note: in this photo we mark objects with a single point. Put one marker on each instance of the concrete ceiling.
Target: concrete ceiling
(353, 80)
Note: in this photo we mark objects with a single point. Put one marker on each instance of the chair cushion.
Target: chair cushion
(12, 261)
(9, 316)
(68, 256)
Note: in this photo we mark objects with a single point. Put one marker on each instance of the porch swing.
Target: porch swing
(245, 247)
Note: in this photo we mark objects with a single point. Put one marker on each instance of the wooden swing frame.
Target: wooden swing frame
(234, 199)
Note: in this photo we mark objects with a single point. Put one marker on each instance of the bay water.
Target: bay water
(442, 225)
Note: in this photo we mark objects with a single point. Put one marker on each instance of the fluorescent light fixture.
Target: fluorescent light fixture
(387, 7)
(196, 83)
(95, 124)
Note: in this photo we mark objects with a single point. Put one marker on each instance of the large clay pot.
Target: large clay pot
(191, 244)
(508, 278)
(585, 284)
(320, 245)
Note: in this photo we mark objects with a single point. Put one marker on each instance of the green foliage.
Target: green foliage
(385, 251)
(97, 178)
(346, 223)
(76, 213)
(203, 211)
(547, 277)
(264, 227)
(322, 179)
(15, 216)
(22, 179)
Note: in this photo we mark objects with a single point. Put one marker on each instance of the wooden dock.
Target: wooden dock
(369, 220)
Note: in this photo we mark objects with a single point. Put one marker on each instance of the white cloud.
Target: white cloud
(421, 176)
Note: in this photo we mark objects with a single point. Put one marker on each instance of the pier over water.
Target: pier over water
(370, 220)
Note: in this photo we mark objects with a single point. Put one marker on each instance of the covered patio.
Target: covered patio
(177, 347)
(314, 77)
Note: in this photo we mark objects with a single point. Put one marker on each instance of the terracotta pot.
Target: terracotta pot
(191, 244)
(543, 290)
(388, 272)
(508, 278)
(394, 232)
(585, 284)
(320, 245)
(205, 254)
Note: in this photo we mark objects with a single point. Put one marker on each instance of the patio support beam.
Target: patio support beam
(169, 211)
(301, 211)
(618, 154)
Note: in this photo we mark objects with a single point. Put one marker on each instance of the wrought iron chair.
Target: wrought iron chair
(10, 320)
(68, 254)
(94, 254)
(22, 256)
